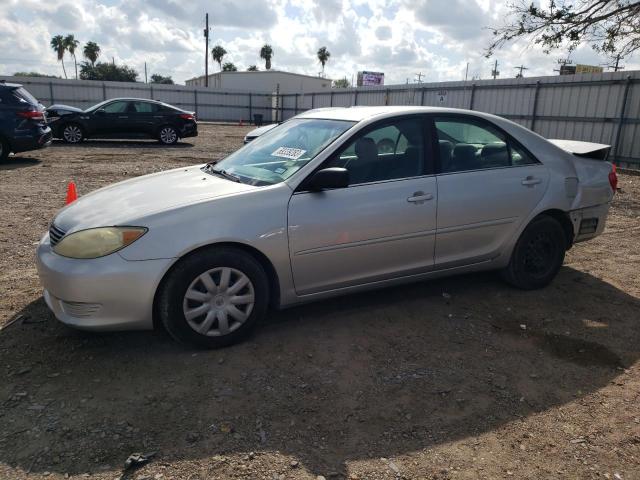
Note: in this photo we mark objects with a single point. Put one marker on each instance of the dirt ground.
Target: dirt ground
(483, 382)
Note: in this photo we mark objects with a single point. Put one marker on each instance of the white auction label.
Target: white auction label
(288, 152)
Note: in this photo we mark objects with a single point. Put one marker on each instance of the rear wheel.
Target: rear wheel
(4, 150)
(214, 298)
(72, 133)
(538, 255)
(168, 135)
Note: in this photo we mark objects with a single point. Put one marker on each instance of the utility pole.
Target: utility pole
(145, 72)
(419, 77)
(466, 73)
(206, 50)
(521, 68)
(495, 72)
(617, 65)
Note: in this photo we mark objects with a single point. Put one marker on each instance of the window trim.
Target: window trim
(428, 164)
(480, 122)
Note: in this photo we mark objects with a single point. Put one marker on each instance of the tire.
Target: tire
(167, 135)
(4, 150)
(185, 302)
(538, 255)
(72, 133)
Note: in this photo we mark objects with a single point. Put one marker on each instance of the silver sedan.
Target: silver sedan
(330, 202)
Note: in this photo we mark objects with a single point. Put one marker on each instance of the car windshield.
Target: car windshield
(281, 152)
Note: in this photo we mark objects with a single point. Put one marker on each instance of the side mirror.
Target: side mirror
(100, 111)
(327, 178)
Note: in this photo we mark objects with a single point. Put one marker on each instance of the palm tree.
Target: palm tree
(91, 52)
(58, 46)
(323, 57)
(218, 53)
(266, 52)
(71, 44)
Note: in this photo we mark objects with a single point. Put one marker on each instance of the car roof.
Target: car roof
(10, 85)
(358, 114)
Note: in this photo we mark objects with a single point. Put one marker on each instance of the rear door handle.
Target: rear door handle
(123, 116)
(530, 181)
(420, 197)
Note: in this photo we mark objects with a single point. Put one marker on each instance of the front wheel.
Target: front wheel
(538, 255)
(168, 135)
(214, 298)
(72, 133)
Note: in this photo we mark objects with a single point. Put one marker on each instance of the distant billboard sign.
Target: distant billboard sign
(370, 78)
(588, 69)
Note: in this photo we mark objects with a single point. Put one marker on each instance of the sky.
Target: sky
(402, 38)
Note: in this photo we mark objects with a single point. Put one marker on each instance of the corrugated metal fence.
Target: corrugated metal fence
(209, 104)
(602, 108)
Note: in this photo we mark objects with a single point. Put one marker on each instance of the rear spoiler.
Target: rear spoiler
(595, 151)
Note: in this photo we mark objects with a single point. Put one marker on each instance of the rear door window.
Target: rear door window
(472, 144)
(145, 107)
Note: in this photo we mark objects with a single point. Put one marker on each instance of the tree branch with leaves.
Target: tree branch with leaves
(611, 27)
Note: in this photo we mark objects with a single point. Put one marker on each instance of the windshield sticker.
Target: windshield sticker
(288, 152)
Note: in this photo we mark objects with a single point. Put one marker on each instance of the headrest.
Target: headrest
(366, 147)
(464, 150)
(493, 149)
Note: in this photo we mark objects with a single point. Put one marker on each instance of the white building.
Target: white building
(263, 81)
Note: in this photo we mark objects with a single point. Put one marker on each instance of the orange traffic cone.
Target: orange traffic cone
(72, 194)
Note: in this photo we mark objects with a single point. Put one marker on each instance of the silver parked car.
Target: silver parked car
(330, 202)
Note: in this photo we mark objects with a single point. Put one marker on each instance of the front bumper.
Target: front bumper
(31, 139)
(108, 293)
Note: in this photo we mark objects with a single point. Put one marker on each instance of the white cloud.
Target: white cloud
(398, 37)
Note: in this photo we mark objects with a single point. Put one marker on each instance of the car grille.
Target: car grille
(55, 235)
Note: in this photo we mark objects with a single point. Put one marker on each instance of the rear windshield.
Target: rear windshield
(23, 96)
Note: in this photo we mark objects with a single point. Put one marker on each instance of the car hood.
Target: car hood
(134, 199)
(67, 108)
(256, 132)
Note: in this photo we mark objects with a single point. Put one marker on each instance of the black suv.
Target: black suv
(122, 118)
(22, 122)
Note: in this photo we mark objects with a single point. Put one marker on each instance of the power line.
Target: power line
(521, 68)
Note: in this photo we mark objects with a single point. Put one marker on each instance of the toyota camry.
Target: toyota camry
(330, 202)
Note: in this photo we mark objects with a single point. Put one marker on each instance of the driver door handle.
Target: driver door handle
(123, 116)
(419, 197)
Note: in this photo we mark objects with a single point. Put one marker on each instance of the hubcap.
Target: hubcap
(168, 135)
(539, 255)
(218, 301)
(72, 134)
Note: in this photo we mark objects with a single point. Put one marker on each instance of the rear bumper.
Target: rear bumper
(189, 130)
(32, 139)
(108, 293)
(589, 222)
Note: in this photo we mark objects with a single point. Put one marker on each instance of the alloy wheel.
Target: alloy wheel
(168, 135)
(218, 301)
(72, 133)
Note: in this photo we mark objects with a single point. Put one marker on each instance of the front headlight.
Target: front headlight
(98, 242)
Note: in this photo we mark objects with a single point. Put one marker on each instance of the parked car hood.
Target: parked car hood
(134, 199)
(67, 108)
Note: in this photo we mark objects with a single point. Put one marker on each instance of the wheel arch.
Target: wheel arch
(272, 275)
(563, 219)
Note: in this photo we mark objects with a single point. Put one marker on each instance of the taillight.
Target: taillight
(31, 115)
(187, 116)
(613, 178)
